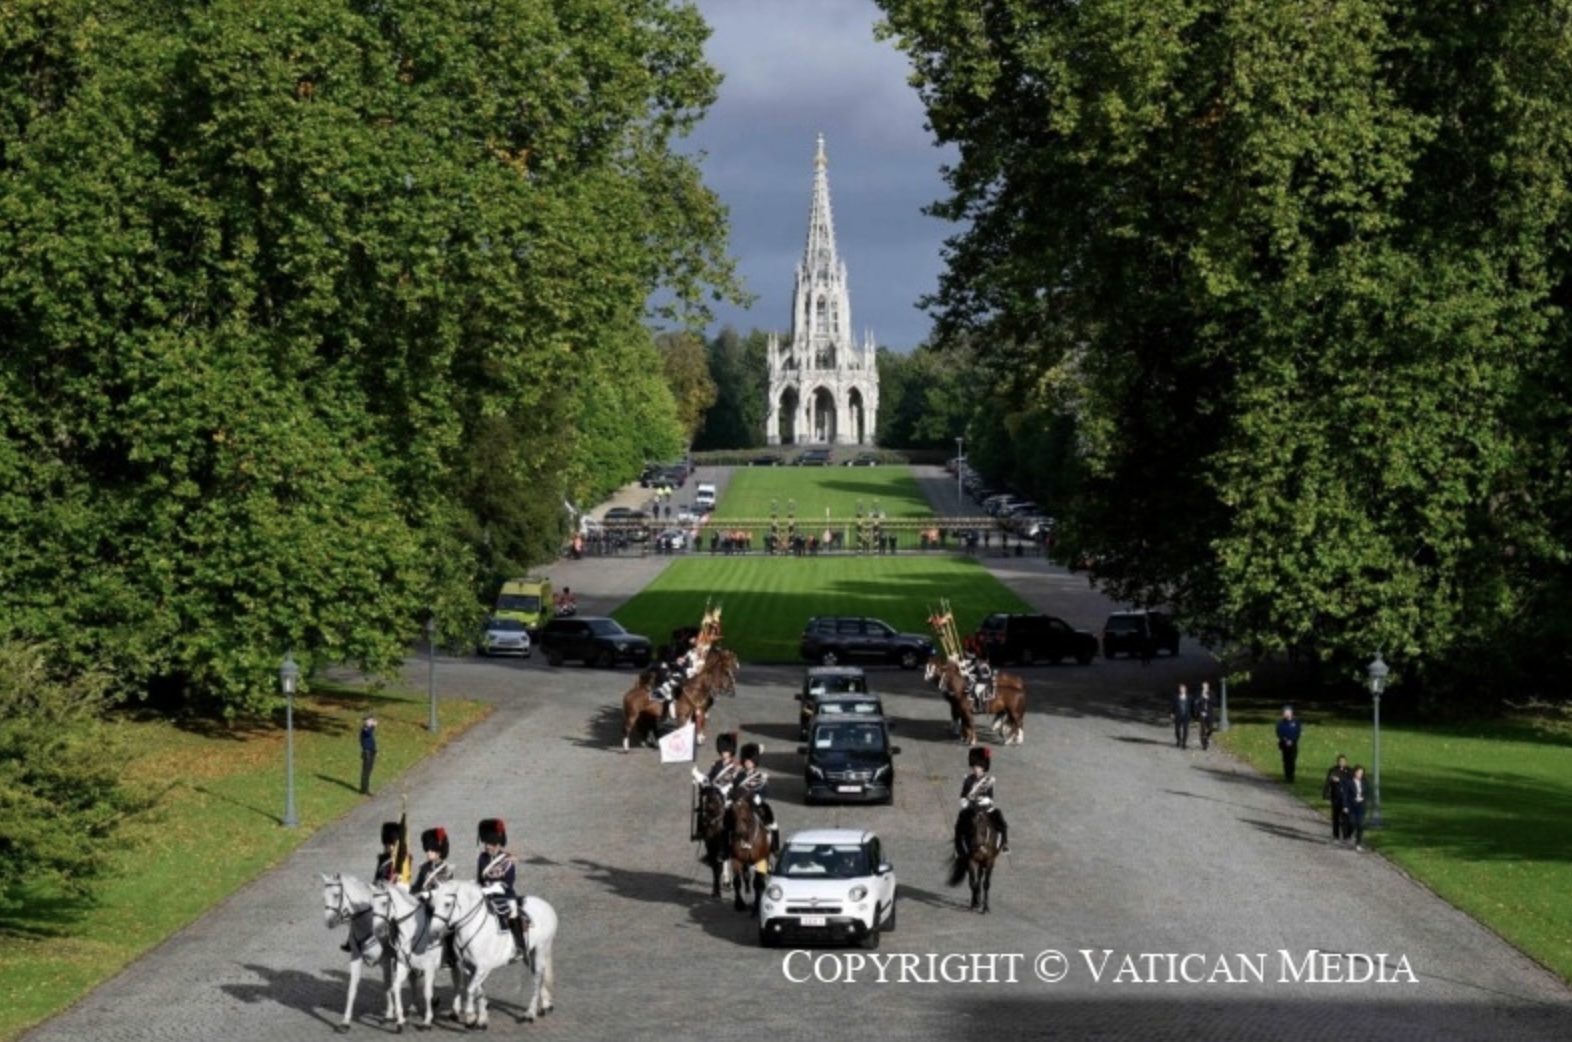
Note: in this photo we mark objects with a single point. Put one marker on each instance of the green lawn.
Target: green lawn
(1479, 812)
(766, 600)
(214, 828)
(756, 493)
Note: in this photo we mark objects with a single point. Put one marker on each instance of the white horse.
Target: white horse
(416, 945)
(347, 900)
(486, 944)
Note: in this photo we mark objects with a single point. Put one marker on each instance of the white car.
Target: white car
(504, 636)
(830, 884)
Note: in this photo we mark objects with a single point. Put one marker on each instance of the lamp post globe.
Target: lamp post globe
(1376, 674)
(288, 679)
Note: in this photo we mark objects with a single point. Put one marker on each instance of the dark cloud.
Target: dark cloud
(794, 69)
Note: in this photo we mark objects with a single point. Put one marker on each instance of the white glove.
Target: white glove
(491, 888)
(698, 777)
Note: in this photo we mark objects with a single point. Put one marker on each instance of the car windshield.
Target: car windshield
(837, 684)
(823, 861)
(511, 625)
(842, 707)
(849, 737)
(1127, 623)
(606, 628)
(525, 602)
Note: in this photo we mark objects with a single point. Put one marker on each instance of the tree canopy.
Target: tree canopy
(1295, 272)
(301, 304)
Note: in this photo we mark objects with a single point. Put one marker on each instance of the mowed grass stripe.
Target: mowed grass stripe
(753, 491)
(766, 600)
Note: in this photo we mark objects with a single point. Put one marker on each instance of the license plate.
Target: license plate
(848, 788)
(812, 920)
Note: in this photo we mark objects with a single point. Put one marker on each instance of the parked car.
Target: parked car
(671, 541)
(768, 459)
(503, 636)
(593, 640)
(813, 458)
(833, 639)
(628, 523)
(865, 459)
(849, 760)
(1139, 633)
(704, 496)
(830, 885)
(1019, 637)
(824, 682)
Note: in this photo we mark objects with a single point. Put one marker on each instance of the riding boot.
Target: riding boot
(1004, 831)
(516, 925)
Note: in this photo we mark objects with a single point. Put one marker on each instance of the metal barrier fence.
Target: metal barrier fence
(800, 537)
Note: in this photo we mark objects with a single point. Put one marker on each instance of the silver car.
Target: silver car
(504, 637)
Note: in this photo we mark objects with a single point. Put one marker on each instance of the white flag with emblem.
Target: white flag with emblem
(679, 746)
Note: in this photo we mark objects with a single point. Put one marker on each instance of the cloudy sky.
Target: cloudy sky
(794, 68)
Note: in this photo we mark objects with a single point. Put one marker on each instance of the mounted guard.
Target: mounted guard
(497, 873)
(977, 792)
(753, 784)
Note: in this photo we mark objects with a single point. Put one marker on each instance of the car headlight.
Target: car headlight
(815, 772)
(775, 893)
(857, 894)
(881, 772)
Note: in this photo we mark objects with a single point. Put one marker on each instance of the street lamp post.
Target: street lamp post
(960, 462)
(1377, 675)
(1222, 720)
(431, 671)
(288, 677)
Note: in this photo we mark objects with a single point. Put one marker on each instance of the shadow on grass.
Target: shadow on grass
(1473, 815)
(42, 914)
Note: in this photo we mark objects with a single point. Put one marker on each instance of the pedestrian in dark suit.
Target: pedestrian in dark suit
(368, 752)
(1204, 713)
(1333, 790)
(1356, 796)
(1181, 714)
(1288, 731)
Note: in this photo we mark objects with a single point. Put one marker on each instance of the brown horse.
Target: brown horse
(641, 712)
(749, 846)
(697, 696)
(981, 841)
(1007, 704)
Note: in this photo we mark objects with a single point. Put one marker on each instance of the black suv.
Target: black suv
(594, 641)
(1033, 638)
(850, 760)
(1141, 634)
(833, 639)
(827, 682)
(813, 458)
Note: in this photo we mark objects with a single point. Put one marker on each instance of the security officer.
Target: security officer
(1288, 732)
(1205, 713)
(1182, 708)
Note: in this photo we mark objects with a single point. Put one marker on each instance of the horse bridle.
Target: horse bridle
(341, 916)
(393, 932)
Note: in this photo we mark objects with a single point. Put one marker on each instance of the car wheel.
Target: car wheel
(871, 942)
(1026, 658)
(604, 659)
(553, 657)
(829, 657)
(768, 939)
(527, 654)
(889, 924)
(908, 659)
(1084, 658)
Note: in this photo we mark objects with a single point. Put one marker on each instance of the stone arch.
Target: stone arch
(787, 408)
(823, 417)
(857, 417)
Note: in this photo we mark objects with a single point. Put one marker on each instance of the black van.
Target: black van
(1026, 639)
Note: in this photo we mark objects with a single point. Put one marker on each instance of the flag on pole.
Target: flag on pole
(679, 746)
(401, 856)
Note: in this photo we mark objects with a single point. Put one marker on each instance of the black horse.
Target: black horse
(709, 827)
(980, 840)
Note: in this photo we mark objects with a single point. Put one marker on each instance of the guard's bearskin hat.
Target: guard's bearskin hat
(978, 757)
(494, 830)
(390, 832)
(751, 751)
(435, 839)
(726, 743)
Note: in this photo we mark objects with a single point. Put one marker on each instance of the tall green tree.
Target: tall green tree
(686, 365)
(280, 272)
(1302, 267)
(741, 373)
